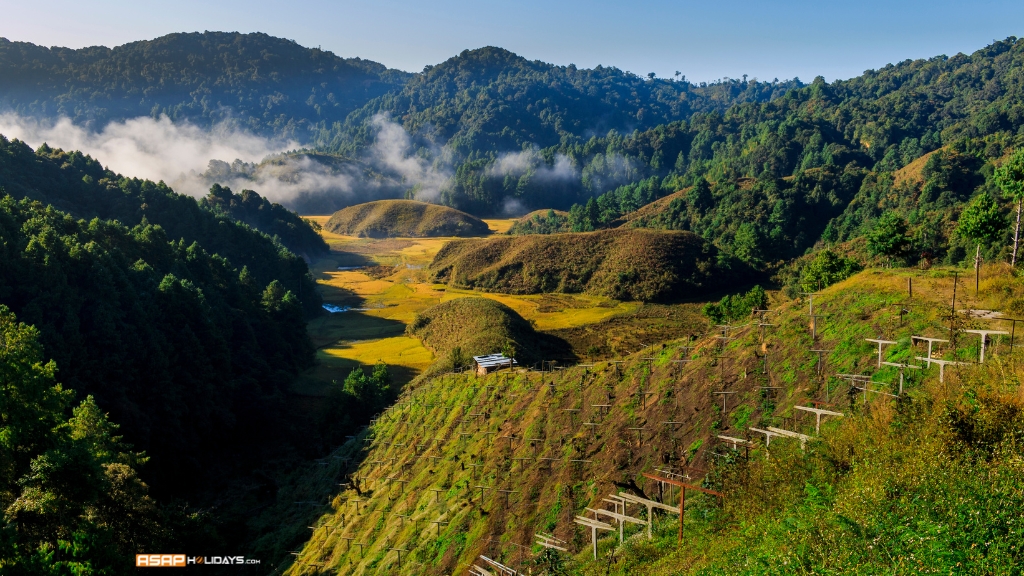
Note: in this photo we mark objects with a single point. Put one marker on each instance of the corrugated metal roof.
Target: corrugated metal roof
(494, 360)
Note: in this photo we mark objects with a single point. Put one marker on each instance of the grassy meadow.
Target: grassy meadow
(386, 281)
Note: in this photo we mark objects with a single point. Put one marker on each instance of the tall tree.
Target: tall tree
(889, 236)
(1010, 179)
(981, 220)
(70, 498)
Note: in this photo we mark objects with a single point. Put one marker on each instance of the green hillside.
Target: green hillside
(822, 163)
(926, 480)
(272, 219)
(493, 99)
(261, 83)
(189, 355)
(77, 184)
(160, 389)
(404, 218)
(624, 264)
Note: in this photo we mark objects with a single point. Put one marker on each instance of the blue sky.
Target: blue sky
(703, 40)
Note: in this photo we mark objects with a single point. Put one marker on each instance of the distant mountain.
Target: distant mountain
(491, 99)
(267, 85)
(492, 133)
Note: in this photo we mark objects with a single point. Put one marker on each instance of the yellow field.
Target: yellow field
(385, 305)
(404, 355)
(500, 226)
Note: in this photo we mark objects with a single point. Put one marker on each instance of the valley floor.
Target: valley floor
(384, 284)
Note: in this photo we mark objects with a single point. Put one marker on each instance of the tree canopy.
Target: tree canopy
(70, 495)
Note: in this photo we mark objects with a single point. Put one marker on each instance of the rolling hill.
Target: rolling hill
(541, 222)
(480, 326)
(405, 218)
(643, 265)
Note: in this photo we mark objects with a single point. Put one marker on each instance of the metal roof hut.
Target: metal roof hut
(491, 362)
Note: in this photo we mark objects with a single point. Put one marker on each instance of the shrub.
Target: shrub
(826, 269)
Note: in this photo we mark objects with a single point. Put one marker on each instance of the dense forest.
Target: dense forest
(267, 85)
(282, 224)
(509, 134)
(766, 181)
(128, 307)
(79, 185)
(491, 99)
(550, 136)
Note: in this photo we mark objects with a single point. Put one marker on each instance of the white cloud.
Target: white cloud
(530, 160)
(393, 150)
(157, 149)
(190, 158)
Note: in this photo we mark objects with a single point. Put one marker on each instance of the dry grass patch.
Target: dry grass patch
(404, 218)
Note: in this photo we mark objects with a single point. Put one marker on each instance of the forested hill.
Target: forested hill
(250, 208)
(268, 85)
(587, 132)
(188, 354)
(79, 185)
(766, 181)
(491, 99)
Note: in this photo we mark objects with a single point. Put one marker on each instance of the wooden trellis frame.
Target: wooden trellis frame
(818, 413)
(880, 343)
(594, 526)
(682, 497)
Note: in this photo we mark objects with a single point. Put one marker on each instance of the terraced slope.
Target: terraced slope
(462, 466)
(645, 265)
(404, 218)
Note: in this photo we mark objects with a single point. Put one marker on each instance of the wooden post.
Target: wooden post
(682, 496)
(682, 512)
(952, 311)
(977, 270)
(399, 550)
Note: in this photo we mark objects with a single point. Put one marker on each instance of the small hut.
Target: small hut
(491, 362)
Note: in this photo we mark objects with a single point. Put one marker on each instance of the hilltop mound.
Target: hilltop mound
(541, 222)
(646, 265)
(404, 218)
(913, 172)
(543, 212)
(478, 326)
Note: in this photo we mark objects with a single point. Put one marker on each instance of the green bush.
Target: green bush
(826, 269)
(734, 307)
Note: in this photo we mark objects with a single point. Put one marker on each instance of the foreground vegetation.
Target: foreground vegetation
(901, 485)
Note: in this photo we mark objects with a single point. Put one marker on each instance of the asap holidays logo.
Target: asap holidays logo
(184, 561)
